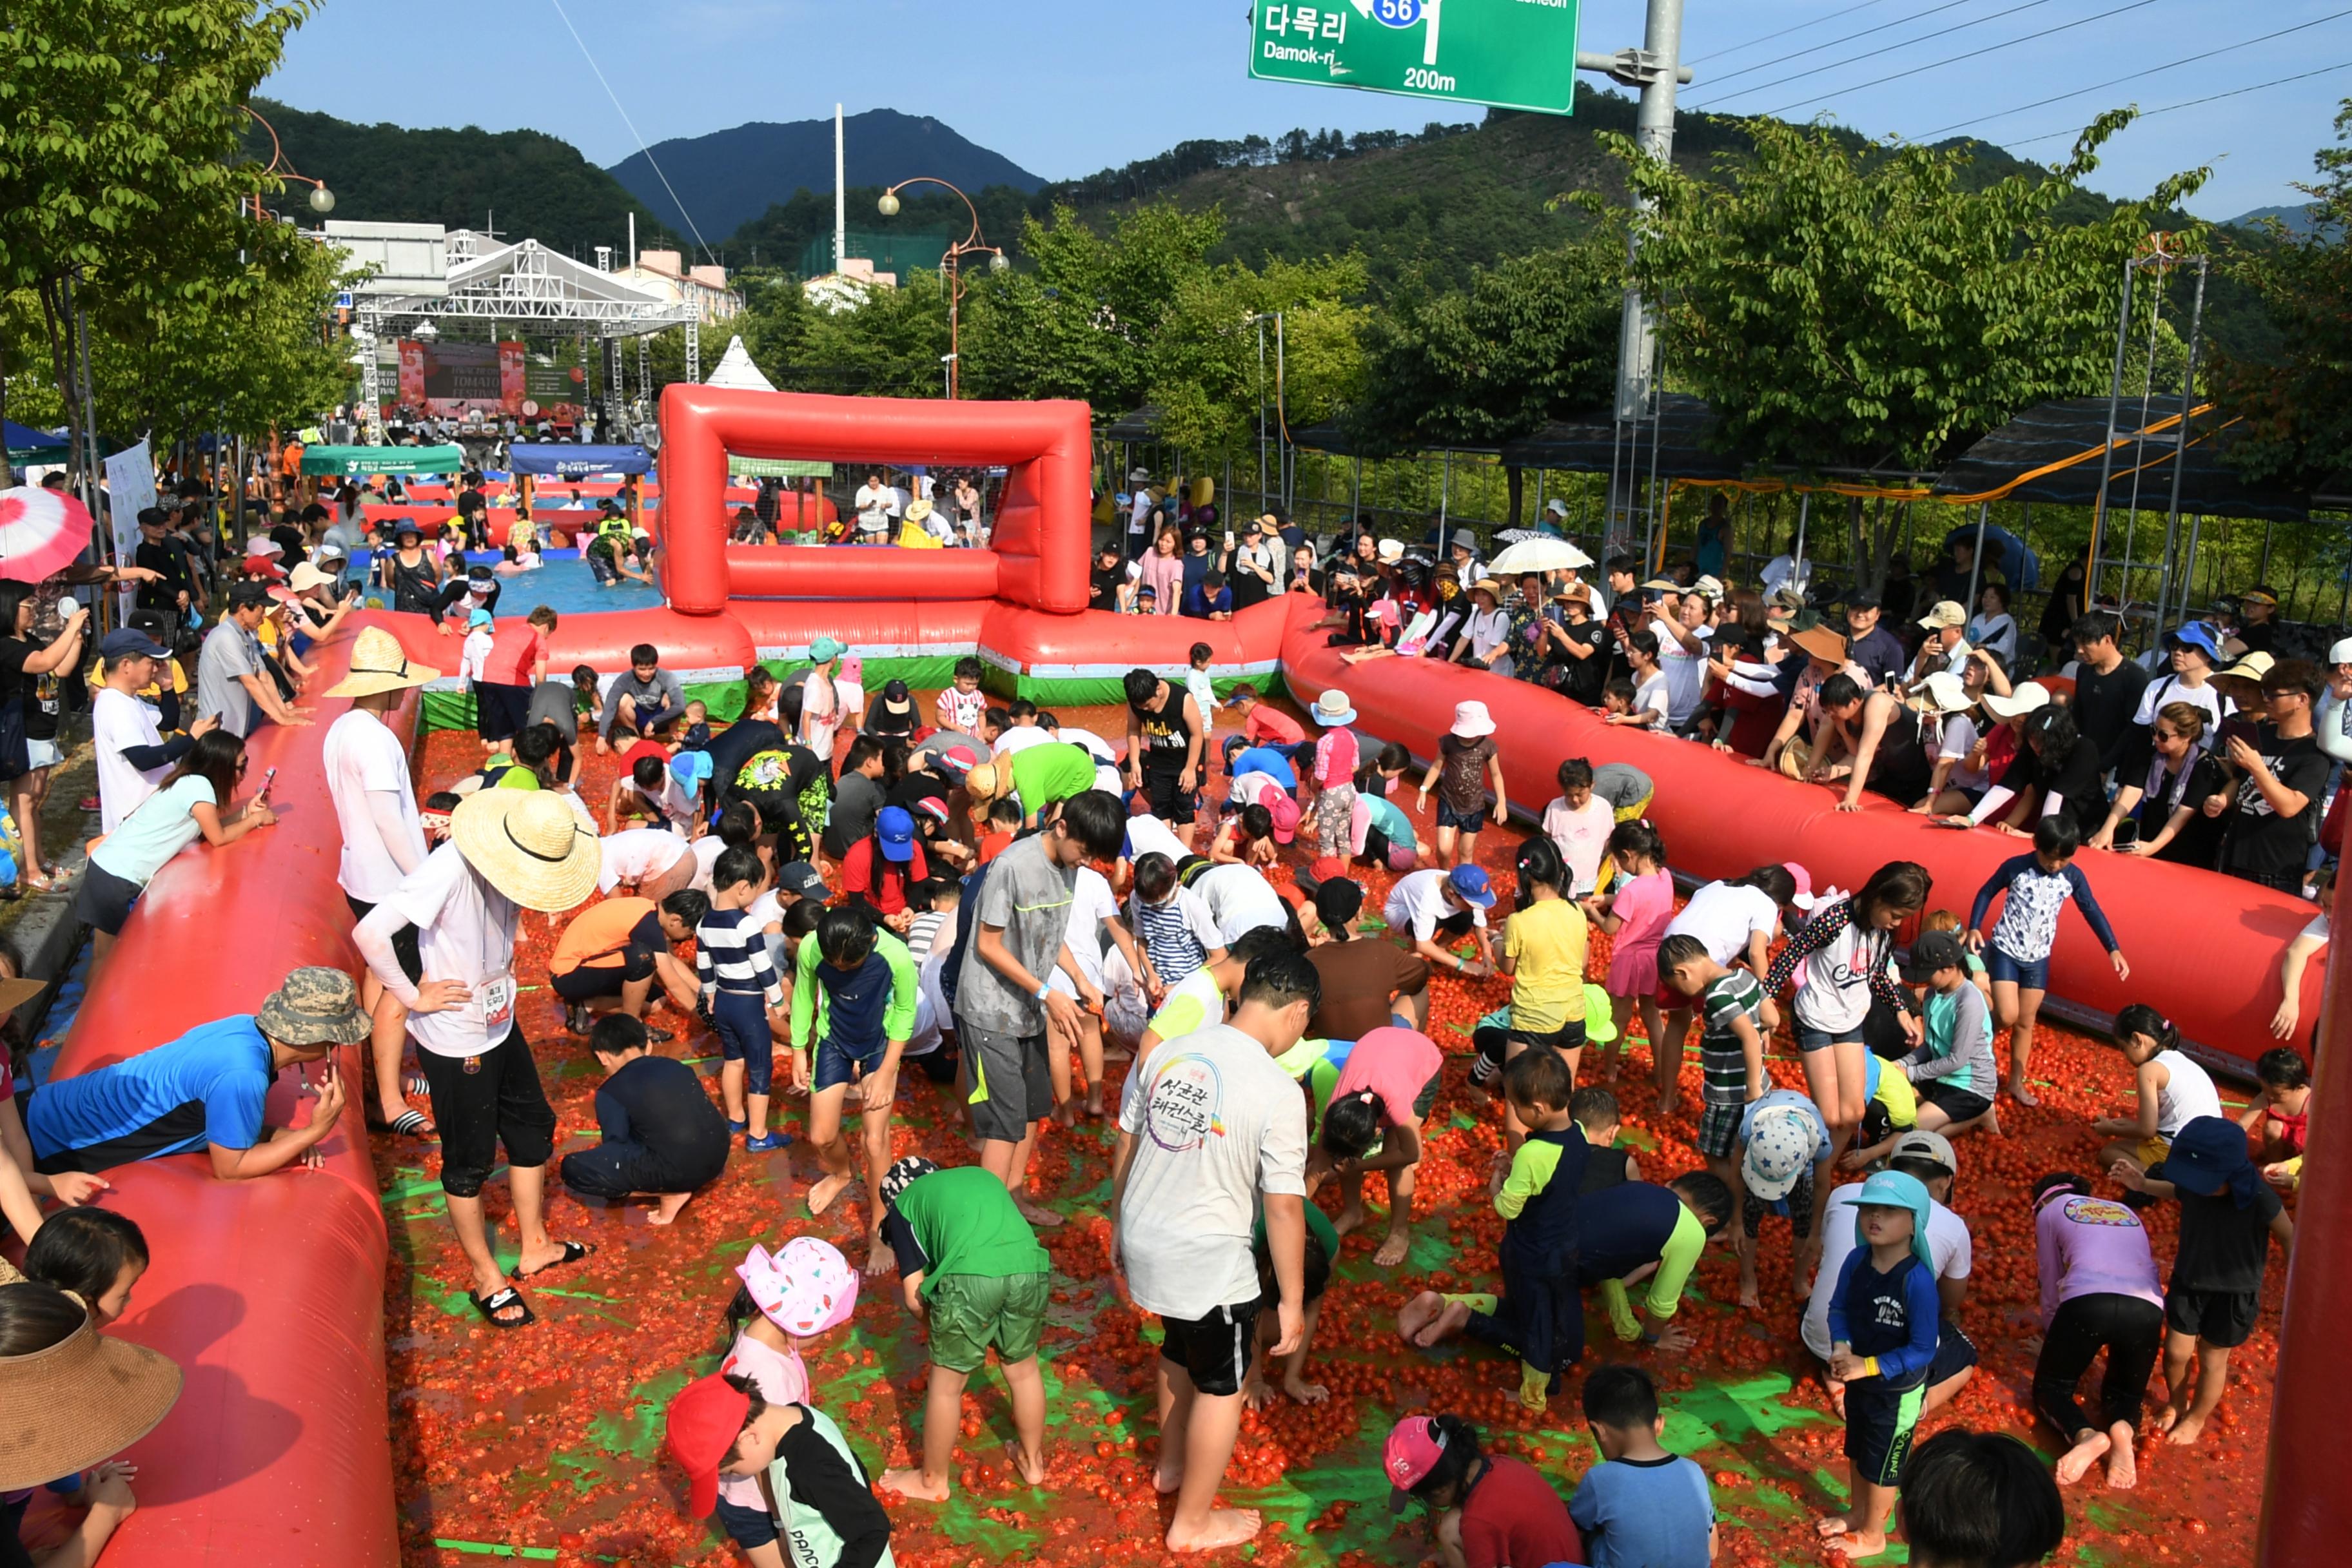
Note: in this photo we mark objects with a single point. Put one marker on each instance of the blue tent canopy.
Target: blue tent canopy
(564, 460)
(23, 439)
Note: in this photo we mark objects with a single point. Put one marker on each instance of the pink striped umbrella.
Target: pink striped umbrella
(41, 533)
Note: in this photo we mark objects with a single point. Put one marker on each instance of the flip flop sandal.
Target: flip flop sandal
(573, 1251)
(501, 1300)
(410, 1124)
(416, 1085)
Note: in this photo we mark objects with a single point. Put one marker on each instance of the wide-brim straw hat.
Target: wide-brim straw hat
(528, 845)
(380, 664)
(84, 1399)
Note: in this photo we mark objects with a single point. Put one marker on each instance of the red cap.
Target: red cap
(704, 1421)
(1328, 867)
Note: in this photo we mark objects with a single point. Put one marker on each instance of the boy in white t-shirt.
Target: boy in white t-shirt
(1580, 822)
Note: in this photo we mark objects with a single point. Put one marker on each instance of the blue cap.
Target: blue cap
(478, 618)
(826, 649)
(129, 642)
(895, 827)
(1469, 885)
(2208, 1155)
(2198, 635)
(1893, 1189)
(690, 768)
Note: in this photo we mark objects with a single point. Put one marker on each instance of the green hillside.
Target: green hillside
(536, 184)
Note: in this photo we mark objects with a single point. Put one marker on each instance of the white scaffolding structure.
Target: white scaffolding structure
(527, 284)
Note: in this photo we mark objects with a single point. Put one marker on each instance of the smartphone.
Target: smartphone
(2126, 833)
(268, 778)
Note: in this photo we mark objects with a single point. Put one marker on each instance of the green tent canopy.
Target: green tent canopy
(777, 467)
(352, 461)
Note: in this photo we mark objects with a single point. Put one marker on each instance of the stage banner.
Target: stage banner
(445, 378)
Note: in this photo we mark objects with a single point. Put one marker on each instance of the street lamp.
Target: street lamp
(969, 245)
(322, 200)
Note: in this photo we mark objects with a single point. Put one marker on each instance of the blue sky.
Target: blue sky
(1065, 89)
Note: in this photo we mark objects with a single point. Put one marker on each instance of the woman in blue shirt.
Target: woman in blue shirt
(191, 801)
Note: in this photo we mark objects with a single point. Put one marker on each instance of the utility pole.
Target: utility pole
(1655, 68)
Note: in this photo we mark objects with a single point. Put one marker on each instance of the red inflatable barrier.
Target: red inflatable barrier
(268, 1293)
(2212, 973)
(603, 640)
(1042, 524)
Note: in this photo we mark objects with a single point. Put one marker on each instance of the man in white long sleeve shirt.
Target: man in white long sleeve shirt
(509, 850)
(383, 838)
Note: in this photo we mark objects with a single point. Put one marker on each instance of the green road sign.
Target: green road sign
(1514, 54)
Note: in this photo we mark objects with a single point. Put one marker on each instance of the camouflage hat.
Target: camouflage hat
(316, 1007)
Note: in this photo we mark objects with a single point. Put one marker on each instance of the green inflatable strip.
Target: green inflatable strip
(494, 1548)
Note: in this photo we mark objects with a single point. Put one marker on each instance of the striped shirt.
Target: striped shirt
(925, 927)
(1722, 1059)
(730, 955)
(1177, 934)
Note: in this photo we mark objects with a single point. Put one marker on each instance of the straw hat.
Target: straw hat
(1333, 708)
(380, 664)
(307, 577)
(1820, 643)
(528, 845)
(84, 1399)
(980, 782)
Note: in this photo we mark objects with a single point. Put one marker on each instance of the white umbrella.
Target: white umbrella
(1544, 555)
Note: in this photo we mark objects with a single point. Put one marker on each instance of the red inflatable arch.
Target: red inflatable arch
(1039, 557)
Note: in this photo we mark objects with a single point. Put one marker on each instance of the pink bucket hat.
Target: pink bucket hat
(805, 1289)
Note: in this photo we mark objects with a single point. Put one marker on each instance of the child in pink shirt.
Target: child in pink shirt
(797, 1293)
(1383, 1092)
(1334, 774)
(1635, 915)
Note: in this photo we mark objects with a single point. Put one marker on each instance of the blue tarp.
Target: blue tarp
(23, 438)
(566, 460)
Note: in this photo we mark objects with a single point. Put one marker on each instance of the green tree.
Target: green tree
(1529, 340)
(2296, 402)
(122, 188)
(1845, 307)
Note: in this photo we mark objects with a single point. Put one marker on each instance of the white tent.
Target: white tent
(735, 369)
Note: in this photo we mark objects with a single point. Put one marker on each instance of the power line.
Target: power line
(2201, 56)
(1847, 39)
(2193, 102)
(1954, 59)
(632, 128)
(1783, 33)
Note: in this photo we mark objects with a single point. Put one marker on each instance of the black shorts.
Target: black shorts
(1568, 1037)
(500, 711)
(1013, 1082)
(591, 983)
(105, 899)
(1167, 801)
(1214, 1351)
(1955, 1354)
(1959, 1104)
(1879, 1424)
(483, 1102)
(2223, 1319)
(403, 942)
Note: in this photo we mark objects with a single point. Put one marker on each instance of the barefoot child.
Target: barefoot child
(1730, 1047)
(1540, 1317)
(2228, 1217)
(971, 1269)
(2280, 1116)
(1883, 1326)
(723, 1427)
(2039, 886)
(1641, 1507)
(2099, 1291)
(741, 993)
(1385, 1089)
(1543, 953)
(1784, 1155)
(662, 1138)
(1952, 1074)
(2174, 1091)
(794, 1295)
(1634, 911)
(1322, 1247)
(867, 986)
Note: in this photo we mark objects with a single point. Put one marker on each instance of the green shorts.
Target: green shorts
(971, 1312)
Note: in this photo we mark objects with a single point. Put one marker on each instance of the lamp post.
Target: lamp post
(969, 245)
(322, 200)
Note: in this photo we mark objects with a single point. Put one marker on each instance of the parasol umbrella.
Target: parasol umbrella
(42, 533)
(1538, 555)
